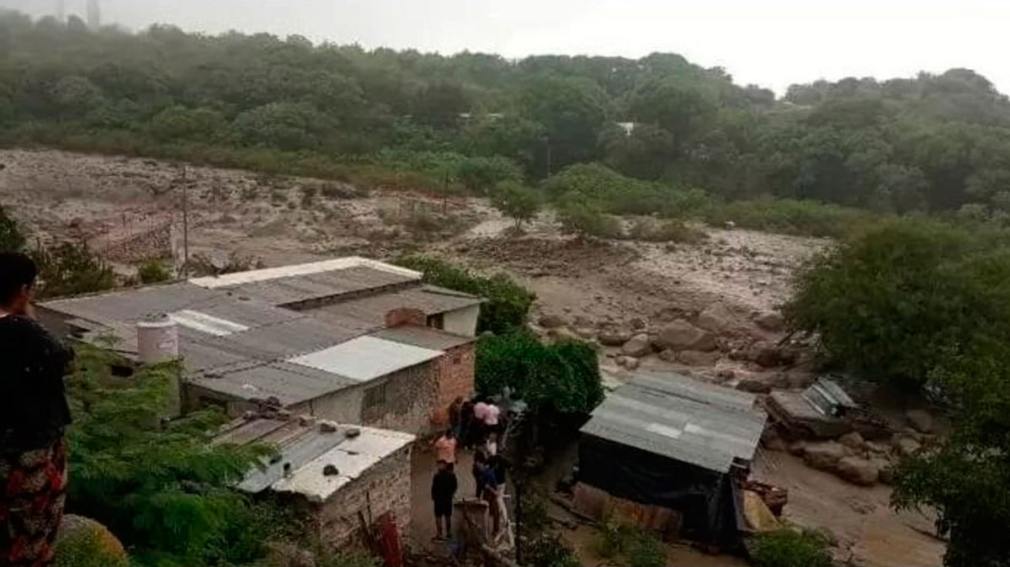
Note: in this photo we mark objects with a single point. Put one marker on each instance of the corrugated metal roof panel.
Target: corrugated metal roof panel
(372, 309)
(676, 417)
(302, 270)
(132, 305)
(424, 337)
(366, 358)
(289, 383)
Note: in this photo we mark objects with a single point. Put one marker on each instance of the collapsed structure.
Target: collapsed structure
(667, 452)
(350, 340)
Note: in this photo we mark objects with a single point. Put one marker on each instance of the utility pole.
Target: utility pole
(185, 224)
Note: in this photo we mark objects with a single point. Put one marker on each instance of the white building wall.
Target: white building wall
(461, 321)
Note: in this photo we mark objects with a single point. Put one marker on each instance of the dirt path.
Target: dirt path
(868, 531)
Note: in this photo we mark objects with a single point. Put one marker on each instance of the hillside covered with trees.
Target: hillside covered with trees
(932, 143)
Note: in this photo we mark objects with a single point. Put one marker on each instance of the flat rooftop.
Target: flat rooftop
(306, 449)
(680, 418)
(237, 338)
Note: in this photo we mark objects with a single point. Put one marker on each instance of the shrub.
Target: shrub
(563, 377)
(506, 302)
(71, 269)
(789, 548)
(638, 547)
(204, 265)
(11, 237)
(86, 543)
(587, 220)
(652, 230)
(516, 201)
(481, 174)
(790, 216)
(153, 271)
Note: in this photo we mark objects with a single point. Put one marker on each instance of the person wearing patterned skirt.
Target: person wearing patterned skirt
(33, 417)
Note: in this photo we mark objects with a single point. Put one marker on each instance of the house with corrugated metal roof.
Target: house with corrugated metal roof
(665, 451)
(351, 340)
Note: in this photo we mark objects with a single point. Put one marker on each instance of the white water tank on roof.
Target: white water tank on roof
(157, 339)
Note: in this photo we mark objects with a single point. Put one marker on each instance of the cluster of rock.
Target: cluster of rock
(858, 460)
(701, 340)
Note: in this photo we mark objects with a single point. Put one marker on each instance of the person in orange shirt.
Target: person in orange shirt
(445, 447)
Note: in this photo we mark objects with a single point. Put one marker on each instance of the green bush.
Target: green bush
(638, 547)
(506, 305)
(789, 548)
(153, 271)
(563, 377)
(808, 218)
(516, 201)
(586, 219)
(69, 269)
(482, 174)
(85, 543)
(899, 299)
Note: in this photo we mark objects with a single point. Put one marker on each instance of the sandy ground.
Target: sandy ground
(868, 531)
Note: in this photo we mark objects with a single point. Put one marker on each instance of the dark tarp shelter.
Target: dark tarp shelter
(667, 440)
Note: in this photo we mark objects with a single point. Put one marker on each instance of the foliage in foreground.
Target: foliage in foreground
(541, 546)
(507, 303)
(153, 271)
(159, 487)
(562, 377)
(789, 548)
(636, 547)
(967, 478)
(928, 305)
(903, 297)
(71, 268)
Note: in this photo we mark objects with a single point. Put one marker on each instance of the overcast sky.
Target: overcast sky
(772, 43)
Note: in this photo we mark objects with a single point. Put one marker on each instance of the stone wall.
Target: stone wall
(455, 379)
(384, 488)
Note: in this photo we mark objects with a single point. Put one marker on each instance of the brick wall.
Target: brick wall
(385, 487)
(455, 379)
(408, 399)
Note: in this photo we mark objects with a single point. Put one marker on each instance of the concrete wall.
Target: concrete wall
(461, 321)
(384, 488)
(455, 379)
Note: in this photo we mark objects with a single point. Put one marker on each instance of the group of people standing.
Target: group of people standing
(475, 426)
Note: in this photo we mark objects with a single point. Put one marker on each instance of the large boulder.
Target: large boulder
(699, 358)
(753, 385)
(906, 446)
(613, 337)
(858, 471)
(638, 346)
(81, 542)
(628, 362)
(681, 335)
(853, 440)
(769, 355)
(824, 456)
(920, 420)
(770, 321)
(717, 318)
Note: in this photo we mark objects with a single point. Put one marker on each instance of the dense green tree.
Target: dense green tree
(481, 174)
(572, 111)
(563, 377)
(162, 488)
(516, 201)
